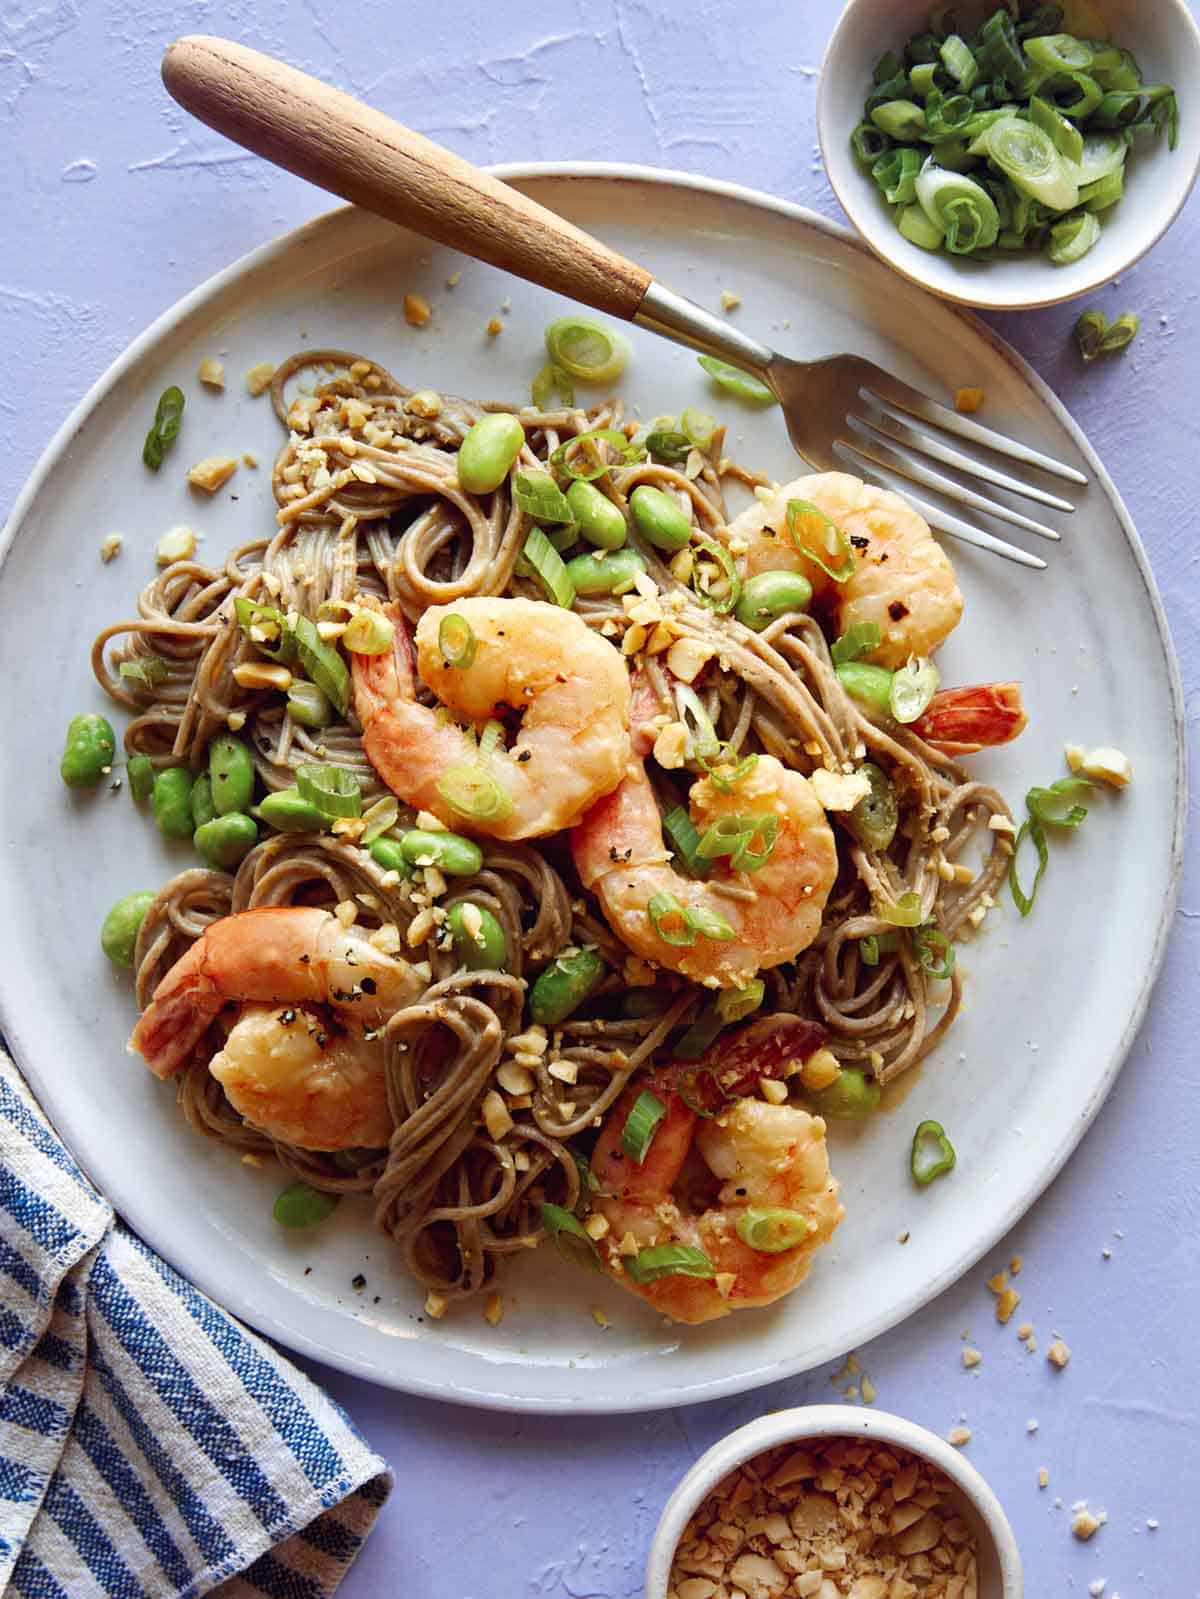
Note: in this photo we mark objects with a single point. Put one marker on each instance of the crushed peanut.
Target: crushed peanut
(435, 1305)
(493, 1310)
(211, 372)
(258, 378)
(959, 1436)
(599, 1317)
(495, 1116)
(211, 473)
(176, 544)
(494, 327)
(1106, 765)
(262, 674)
(837, 1517)
(1058, 1354)
(1084, 1524)
(1006, 1303)
(1043, 1477)
(820, 1069)
(773, 1091)
(971, 1357)
(110, 548)
(417, 310)
(837, 791)
(968, 400)
(670, 747)
(729, 300)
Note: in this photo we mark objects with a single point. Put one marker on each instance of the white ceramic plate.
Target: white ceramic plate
(1053, 1002)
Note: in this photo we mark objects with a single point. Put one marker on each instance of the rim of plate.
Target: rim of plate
(871, 1325)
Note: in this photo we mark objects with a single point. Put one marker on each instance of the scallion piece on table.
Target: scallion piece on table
(552, 383)
(332, 789)
(588, 351)
(641, 1125)
(569, 1236)
(932, 1153)
(164, 430)
(546, 564)
(669, 1260)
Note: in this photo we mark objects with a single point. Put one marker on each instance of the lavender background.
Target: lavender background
(115, 204)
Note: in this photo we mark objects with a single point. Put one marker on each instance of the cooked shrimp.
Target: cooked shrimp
(292, 1076)
(699, 1179)
(570, 685)
(278, 954)
(902, 581)
(959, 721)
(771, 914)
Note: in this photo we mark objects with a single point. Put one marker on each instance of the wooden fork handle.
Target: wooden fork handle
(340, 144)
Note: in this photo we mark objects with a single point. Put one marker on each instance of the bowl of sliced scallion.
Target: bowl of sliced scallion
(1015, 154)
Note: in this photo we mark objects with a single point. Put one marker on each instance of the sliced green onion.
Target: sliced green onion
(819, 538)
(721, 771)
(266, 628)
(874, 820)
(492, 737)
(868, 144)
(896, 174)
(1027, 157)
(321, 662)
(734, 381)
(570, 1238)
(1072, 238)
(588, 351)
(1067, 139)
(1105, 192)
(539, 496)
(890, 90)
(1120, 333)
(913, 686)
(1053, 803)
(960, 207)
(579, 458)
(721, 603)
(1031, 828)
(146, 669)
(1102, 153)
(1117, 69)
(906, 912)
(641, 1125)
(380, 817)
(668, 445)
(552, 383)
(699, 426)
(332, 789)
(695, 1042)
(899, 119)
(671, 921)
(1089, 331)
(997, 50)
(888, 65)
(669, 1260)
(947, 115)
(932, 1153)
(456, 640)
(681, 830)
(309, 705)
(772, 1230)
(918, 229)
(369, 632)
(548, 567)
(1074, 94)
(472, 791)
(733, 836)
(164, 430)
(734, 1004)
(923, 48)
(709, 924)
(703, 738)
(1060, 52)
(959, 61)
(858, 638)
(876, 944)
(934, 952)
(300, 1205)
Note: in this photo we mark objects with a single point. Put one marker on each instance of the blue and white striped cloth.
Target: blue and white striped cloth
(149, 1444)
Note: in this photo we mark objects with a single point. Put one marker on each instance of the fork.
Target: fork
(840, 411)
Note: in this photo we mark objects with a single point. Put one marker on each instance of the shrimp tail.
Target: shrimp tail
(173, 1023)
(961, 721)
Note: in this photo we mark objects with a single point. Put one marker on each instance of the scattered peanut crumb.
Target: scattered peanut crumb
(729, 300)
(262, 674)
(235, 721)
(176, 544)
(959, 1436)
(1107, 765)
(971, 1357)
(1058, 1354)
(1006, 1303)
(211, 372)
(1084, 1524)
(1043, 1477)
(869, 1391)
(773, 1091)
(435, 1305)
(251, 1159)
(999, 1282)
(417, 310)
(494, 327)
(1097, 1587)
(212, 473)
(258, 378)
(249, 458)
(1032, 1424)
(453, 281)
(110, 548)
(1152, 1523)
(599, 1317)
(493, 1310)
(1016, 1262)
(968, 399)
(1025, 1330)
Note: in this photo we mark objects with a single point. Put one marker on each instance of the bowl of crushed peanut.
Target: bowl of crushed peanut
(833, 1502)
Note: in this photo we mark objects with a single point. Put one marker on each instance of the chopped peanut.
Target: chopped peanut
(1107, 765)
(176, 544)
(968, 400)
(435, 1305)
(1058, 1354)
(211, 372)
(417, 310)
(493, 1310)
(971, 1357)
(495, 1116)
(729, 300)
(111, 548)
(820, 1069)
(1006, 1303)
(494, 327)
(211, 473)
(262, 674)
(258, 378)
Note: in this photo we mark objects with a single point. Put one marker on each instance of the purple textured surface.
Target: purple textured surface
(117, 203)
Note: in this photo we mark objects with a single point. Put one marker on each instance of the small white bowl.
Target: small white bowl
(1166, 41)
(999, 1562)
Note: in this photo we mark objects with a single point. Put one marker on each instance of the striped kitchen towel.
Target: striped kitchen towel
(149, 1444)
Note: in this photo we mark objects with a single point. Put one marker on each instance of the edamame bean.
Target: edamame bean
(226, 841)
(289, 812)
(870, 684)
(599, 521)
(88, 753)
(486, 455)
(874, 820)
(203, 809)
(601, 574)
(450, 851)
(851, 1096)
(769, 595)
(171, 802)
(563, 986)
(389, 854)
(140, 771)
(659, 518)
(119, 929)
(479, 941)
(301, 1206)
(231, 768)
